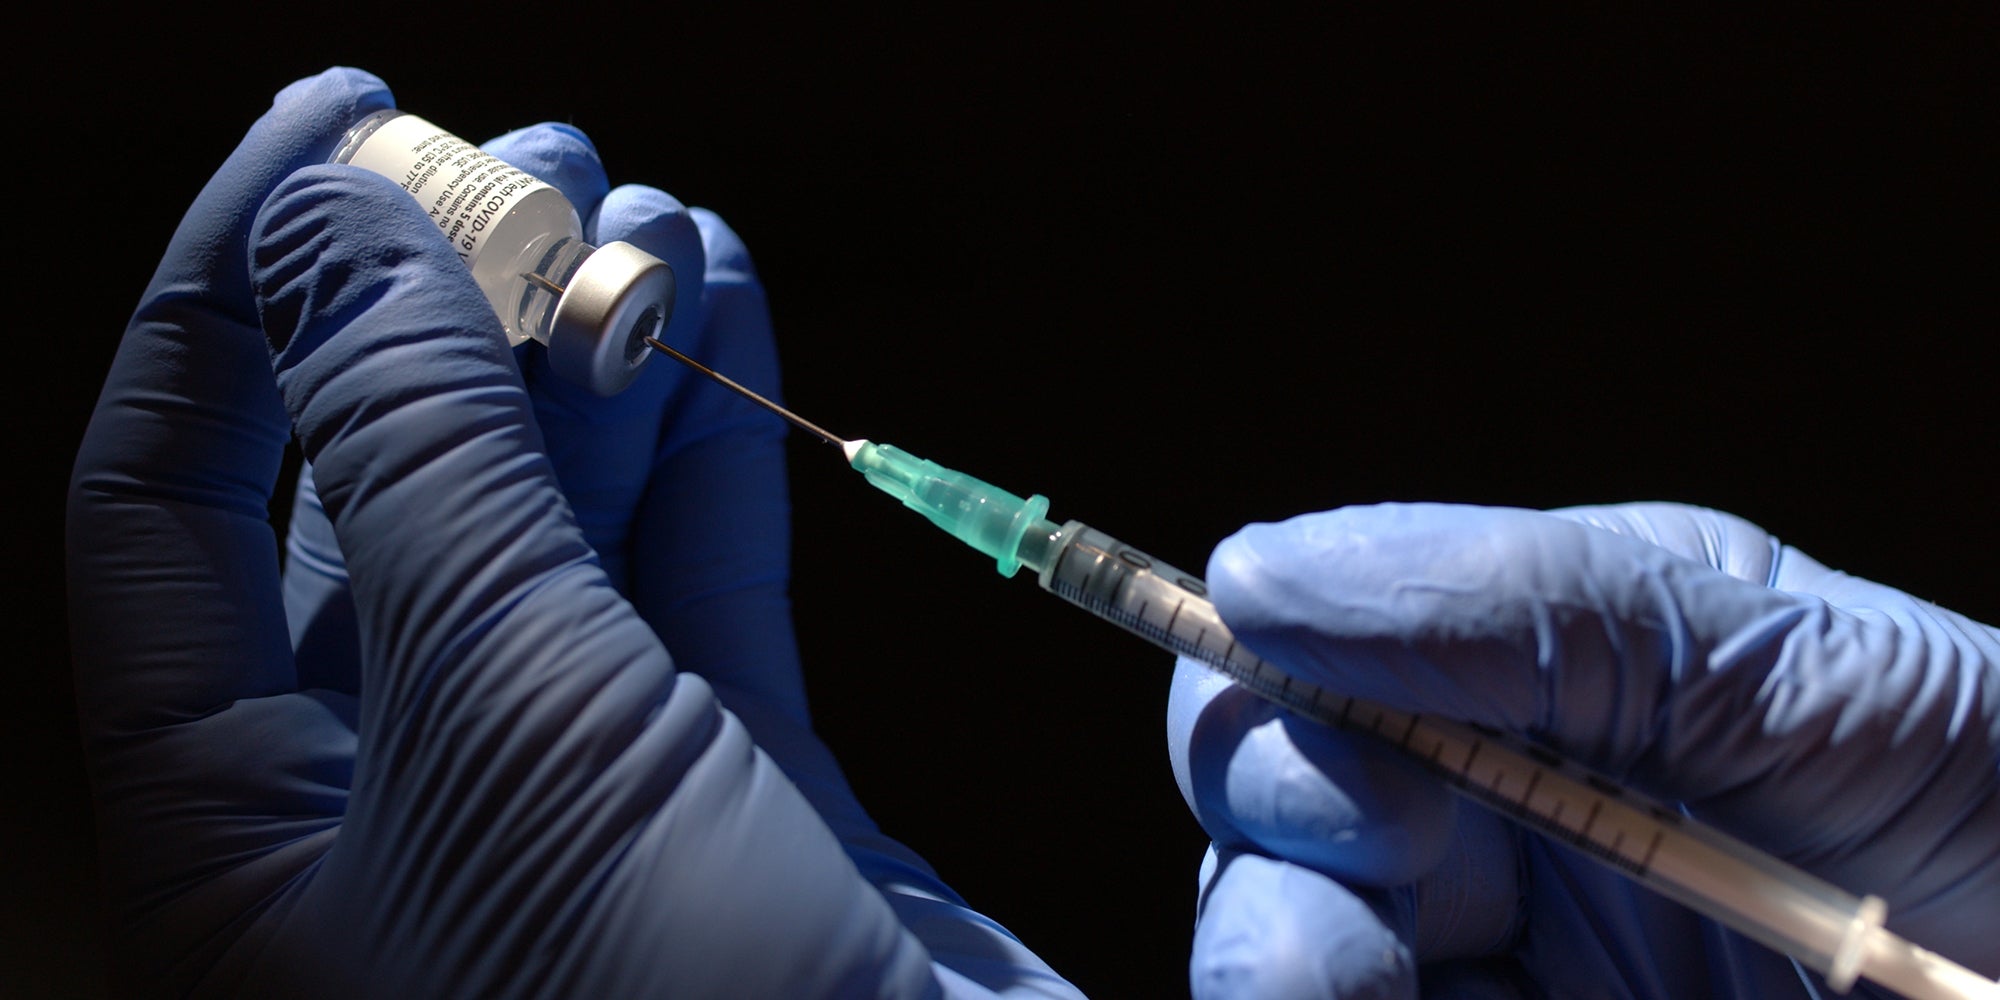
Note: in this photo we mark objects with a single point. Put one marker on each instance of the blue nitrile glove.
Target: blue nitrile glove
(482, 773)
(1840, 724)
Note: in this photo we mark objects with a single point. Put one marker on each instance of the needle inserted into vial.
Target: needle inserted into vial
(523, 242)
(1837, 934)
(744, 391)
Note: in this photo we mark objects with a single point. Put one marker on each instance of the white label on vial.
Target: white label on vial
(466, 191)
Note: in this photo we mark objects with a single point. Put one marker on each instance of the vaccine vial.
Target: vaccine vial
(591, 306)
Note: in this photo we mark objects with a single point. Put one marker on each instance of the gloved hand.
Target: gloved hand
(537, 727)
(1840, 724)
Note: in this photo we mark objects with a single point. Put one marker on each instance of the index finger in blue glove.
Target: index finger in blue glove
(603, 449)
(645, 217)
(714, 529)
(1849, 702)
(697, 458)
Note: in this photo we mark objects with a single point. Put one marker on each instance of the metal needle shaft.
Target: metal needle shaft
(739, 389)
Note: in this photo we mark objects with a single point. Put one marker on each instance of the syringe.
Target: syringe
(1837, 934)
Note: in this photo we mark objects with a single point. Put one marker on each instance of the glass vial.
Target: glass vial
(592, 307)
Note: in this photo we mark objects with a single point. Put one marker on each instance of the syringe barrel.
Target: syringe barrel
(1158, 602)
(1715, 875)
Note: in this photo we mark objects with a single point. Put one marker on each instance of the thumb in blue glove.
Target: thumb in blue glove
(1839, 724)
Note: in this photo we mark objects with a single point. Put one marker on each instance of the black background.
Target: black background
(1178, 272)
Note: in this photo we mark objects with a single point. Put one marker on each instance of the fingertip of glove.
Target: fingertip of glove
(1720, 539)
(728, 258)
(1307, 570)
(1384, 571)
(1273, 929)
(647, 217)
(657, 222)
(332, 100)
(334, 80)
(1421, 607)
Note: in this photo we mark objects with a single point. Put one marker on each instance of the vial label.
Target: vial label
(466, 191)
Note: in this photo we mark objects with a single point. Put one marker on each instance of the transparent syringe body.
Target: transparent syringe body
(591, 306)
